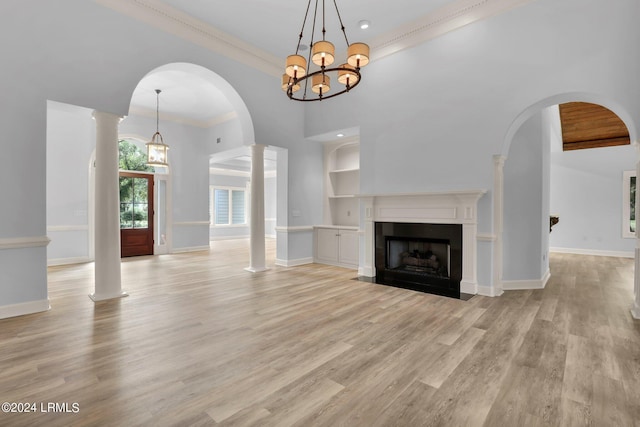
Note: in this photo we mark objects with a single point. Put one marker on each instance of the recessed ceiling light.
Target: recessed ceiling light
(364, 24)
(340, 135)
(303, 47)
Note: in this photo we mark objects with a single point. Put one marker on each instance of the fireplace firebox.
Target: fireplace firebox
(419, 256)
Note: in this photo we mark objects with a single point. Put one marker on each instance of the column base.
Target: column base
(95, 298)
(256, 269)
(635, 311)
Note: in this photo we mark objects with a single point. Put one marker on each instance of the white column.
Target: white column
(367, 265)
(107, 212)
(257, 253)
(498, 212)
(635, 308)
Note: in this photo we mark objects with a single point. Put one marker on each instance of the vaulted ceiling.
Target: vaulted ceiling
(261, 33)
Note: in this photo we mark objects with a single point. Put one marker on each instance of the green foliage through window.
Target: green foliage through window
(131, 158)
(133, 191)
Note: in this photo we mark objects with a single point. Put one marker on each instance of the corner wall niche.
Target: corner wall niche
(336, 240)
(342, 165)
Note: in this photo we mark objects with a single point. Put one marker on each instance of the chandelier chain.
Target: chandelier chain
(304, 22)
(344, 31)
(324, 30)
(158, 110)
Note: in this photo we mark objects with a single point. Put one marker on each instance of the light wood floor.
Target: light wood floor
(199, 341)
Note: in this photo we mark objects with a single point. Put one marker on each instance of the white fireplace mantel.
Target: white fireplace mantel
(451, 207)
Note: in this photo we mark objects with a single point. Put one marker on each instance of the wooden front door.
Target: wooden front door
(136, 214)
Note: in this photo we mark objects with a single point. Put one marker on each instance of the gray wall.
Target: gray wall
(83, 60)
(586, 193)
(476, 86)
(437, 131)
(70, 143)
(525, 198)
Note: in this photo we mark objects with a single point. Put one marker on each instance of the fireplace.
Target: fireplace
(420, 256)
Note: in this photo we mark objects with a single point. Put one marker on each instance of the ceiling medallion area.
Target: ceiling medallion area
(301, 83)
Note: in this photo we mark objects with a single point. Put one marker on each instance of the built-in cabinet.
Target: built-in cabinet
(337, 246)
(336, 241)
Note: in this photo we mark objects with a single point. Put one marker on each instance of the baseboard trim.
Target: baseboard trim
(220, 238)
(191, 249)
(24, 308)
(518, 285)
(68, 261)
(102, 297)
(635, 311)
(293, 262)
(468, 288)
(594, 252)
(489, 291)
(296, 229)
(366, 272)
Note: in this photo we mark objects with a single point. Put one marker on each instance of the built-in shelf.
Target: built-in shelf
(342, 183)
(337, 242)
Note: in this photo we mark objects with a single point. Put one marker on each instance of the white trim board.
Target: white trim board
(24, 308)
(489, 291)
(293, 262)
(594, 252)
(68, 261)
(221, 238)
(190, 249)
(296, 229)
(24, 242)
(517, 285)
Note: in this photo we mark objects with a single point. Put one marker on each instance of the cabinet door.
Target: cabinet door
(327, 245)
(349, 247)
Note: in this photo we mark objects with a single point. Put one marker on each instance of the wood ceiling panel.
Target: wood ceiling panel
(586, 125)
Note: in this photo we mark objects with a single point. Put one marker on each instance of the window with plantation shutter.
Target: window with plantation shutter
(238, 207)
(228, 206)
(221, 206)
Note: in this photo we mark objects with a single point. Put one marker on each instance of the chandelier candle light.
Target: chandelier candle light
(322, 54)
(156, 148)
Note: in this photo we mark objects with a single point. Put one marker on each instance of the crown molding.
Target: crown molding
(206, 124)
(169, 19)
(443, 20)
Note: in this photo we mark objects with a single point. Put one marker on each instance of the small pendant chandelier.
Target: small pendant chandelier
(156, 148)
(322, 54)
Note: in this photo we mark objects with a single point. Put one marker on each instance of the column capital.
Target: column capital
(103, 116)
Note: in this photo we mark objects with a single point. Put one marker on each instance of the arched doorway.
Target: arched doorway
(523, 184)
(200, 116)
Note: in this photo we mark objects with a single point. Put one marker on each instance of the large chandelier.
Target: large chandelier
(156, 148)
(298, 80)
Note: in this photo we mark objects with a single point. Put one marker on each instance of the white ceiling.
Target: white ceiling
(262, 33)
(274, 25)
(185, 97)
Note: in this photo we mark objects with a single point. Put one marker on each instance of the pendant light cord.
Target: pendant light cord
(158, 110)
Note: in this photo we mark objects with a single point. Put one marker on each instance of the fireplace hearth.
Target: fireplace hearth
(419, 256)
